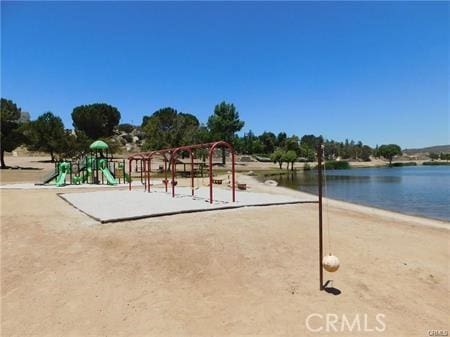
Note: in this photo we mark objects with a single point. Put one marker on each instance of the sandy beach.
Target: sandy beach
(243, 272)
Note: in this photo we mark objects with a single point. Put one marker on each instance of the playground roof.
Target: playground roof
(98, 145)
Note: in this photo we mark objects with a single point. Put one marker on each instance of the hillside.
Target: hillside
(430, 149)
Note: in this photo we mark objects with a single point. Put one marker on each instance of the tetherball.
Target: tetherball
(330, 263)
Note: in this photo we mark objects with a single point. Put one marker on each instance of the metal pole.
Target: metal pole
(192, 173)
(142, 177)
(319, 177)
(149, 168)
(210, 154)
(165, 173)
(173, 175)
(129, 170)
(123, 165)
(114, 169)
(71, 170)
(233, 188)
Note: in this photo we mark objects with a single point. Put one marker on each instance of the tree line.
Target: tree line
(165, 128)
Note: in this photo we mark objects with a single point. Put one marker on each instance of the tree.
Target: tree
(307, 152)
(444, 156)
(96, 120)
(434, 156)
(292, 144)
(126, 127)
(366, 152)
(168, 128)
(281, 139)
(278, 157)
(268, 140)
(311, 141)
(12, 119)
(290, 157)
(47, 134)
(224, 123)
(248, 141)
(389, 151)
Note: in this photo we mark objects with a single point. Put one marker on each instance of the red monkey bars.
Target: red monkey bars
(171, 156)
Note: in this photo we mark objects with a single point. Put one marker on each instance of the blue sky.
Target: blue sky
(370, 71)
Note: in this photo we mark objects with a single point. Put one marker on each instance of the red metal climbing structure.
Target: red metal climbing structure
(144, 160)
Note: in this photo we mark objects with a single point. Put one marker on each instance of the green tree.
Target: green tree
(434, 156)
(307, 152)
(389, 151)
(290, 157)
(293, 144)
(47, 134)
(12, 120)
(168, 128)
(311, 141)
(268, 140)
(96, 120)
(224, 123)
(126, 127)
(444, 156)
(278, 157)
(281, 140)
(366, 152)
(248, 141)
(257, 146)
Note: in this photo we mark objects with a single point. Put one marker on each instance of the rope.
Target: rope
(326, 199)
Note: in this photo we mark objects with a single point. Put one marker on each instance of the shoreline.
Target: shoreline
(349, 206)
(258, 186)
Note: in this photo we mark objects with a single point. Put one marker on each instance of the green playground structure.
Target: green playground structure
(98, 167)
(63, 169)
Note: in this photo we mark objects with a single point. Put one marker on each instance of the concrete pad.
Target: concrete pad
(114, 205)
(32, 186)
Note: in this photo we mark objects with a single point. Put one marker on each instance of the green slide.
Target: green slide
(61, 179)
(63, 169)
(107, 173)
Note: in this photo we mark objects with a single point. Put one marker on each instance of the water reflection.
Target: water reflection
(415, 190)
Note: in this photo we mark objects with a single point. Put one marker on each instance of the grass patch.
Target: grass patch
(435, 163)
(409, 163)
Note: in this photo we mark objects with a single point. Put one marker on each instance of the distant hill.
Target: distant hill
(430, 149)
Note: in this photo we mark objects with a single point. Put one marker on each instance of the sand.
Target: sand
(249, 271)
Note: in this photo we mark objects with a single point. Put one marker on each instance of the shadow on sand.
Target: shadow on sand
(328, 287)
(21, 168)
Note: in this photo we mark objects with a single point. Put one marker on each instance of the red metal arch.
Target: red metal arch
(146, 157)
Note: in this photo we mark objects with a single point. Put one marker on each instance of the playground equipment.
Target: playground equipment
(170, 158)
(63, 168)
(143, 164)
(330, 262)
(97, 167)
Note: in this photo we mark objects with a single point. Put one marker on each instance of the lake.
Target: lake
(415, 190)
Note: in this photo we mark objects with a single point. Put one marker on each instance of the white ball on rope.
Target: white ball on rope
(330, 263)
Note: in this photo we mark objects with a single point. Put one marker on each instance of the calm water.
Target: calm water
(416, 190)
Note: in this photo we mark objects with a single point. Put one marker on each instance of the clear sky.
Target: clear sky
(370, 71)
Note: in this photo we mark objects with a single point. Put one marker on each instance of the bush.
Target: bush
(337, 165)
(409, 163)
(125, 127)
(435, 163)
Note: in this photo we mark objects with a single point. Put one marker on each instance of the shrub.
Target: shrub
(125, 127)
(435, 163)
(337, 165)
(409, 163)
